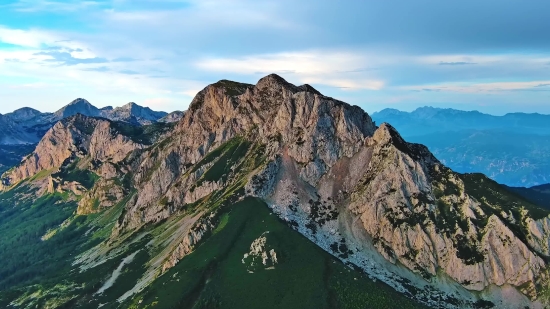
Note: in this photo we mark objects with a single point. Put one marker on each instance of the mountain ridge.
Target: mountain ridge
(27, 125)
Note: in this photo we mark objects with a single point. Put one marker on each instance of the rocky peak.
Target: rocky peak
(133, 113)
(77, 106)
(172, 117)
(24, 114)
(274, 81)
(131, 107)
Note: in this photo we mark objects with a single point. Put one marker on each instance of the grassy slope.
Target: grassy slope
(306, 276)
(43, 268)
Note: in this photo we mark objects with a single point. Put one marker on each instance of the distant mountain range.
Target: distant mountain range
(27, 125)
(22, 129)
(513, 149)
(426, 120)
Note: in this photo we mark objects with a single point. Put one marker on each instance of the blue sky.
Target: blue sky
(493, 56)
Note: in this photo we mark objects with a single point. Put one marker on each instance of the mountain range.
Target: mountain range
(269, 195)
(22, 129)
(513, 149)
(27, 125)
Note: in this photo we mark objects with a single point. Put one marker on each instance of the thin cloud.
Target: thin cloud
(314, 67)
(98, 69)
(456, 63)
(65, 58)
(129, 72)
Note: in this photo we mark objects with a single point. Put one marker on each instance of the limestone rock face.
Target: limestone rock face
(316, 129)
(261, 255)
(58, 185)
(400, 209)
(191, 238)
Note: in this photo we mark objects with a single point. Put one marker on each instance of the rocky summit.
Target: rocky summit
(267, 195)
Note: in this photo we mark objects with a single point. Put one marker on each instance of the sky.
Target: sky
(492, 56)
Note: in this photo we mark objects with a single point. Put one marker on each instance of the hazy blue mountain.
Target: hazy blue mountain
(426, 120)
(172, 117)
(513, 149)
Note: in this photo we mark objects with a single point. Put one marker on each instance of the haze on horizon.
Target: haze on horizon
(491, 56)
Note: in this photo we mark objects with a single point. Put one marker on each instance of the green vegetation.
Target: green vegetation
(492, 194)
(232, 88)
(224, 164)
(146, 135)
(72, 173)
(25, 257)
(306, 277)
(38, 272)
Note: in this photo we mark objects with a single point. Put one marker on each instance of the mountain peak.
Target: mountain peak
(77, 106)
(79, 101)
(130, 105)
(24, 114)
(274, 81)
(133, 113)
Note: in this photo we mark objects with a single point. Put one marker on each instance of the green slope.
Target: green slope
(214, 276)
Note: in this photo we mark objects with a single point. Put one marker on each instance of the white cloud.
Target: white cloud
(331, 68)
(26, 38)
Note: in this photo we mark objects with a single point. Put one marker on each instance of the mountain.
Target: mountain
(78, 106)
(133, 113)
(27, 125)
(425, 120)
(268, 195)
(11, 132)
(22, 129)
(172, 117)
(23, 114)
(511, 149)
